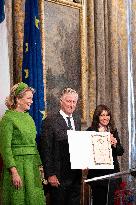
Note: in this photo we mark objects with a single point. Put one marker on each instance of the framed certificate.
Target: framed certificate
(89, 149)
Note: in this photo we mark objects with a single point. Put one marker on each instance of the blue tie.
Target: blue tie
(69, 124)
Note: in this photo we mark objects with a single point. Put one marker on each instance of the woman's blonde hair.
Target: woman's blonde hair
(17, 91)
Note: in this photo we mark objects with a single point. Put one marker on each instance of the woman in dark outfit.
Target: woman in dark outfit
(103, 122)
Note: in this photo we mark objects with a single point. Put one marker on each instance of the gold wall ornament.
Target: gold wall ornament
(18, 34)
(67, 3)
(84, 67)
(83, 48)
(43, 41)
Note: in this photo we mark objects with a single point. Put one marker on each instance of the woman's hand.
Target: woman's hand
(16, 179)
(113, 140)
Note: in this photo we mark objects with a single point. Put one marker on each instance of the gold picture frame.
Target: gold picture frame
(81, 7)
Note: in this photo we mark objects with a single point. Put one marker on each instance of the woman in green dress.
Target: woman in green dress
(21, 181)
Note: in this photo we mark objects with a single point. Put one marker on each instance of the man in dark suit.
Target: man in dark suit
(65, 183)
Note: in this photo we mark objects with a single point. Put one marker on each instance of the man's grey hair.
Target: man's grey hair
(67, 91)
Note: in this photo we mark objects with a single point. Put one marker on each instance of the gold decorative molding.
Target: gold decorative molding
(84, 67)
(67, 3)
(41, 17)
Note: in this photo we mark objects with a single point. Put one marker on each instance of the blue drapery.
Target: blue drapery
(2, 14)
(32, 68)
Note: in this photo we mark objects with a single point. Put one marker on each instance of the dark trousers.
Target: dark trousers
(103, 192)
(66, 194)
(99, 195)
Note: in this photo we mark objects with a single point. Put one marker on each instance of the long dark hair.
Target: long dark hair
(95, 123)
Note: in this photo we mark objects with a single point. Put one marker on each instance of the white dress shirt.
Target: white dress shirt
(65, 118)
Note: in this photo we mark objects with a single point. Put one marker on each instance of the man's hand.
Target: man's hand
(53, 180)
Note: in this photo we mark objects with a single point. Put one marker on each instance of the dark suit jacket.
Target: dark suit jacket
(116, 151)
(54, 148)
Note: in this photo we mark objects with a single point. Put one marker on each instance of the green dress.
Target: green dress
(18, 149)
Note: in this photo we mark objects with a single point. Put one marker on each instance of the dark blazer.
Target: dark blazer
(116, 151)
(54, 148)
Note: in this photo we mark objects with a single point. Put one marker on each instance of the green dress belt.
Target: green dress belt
(23, 150)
